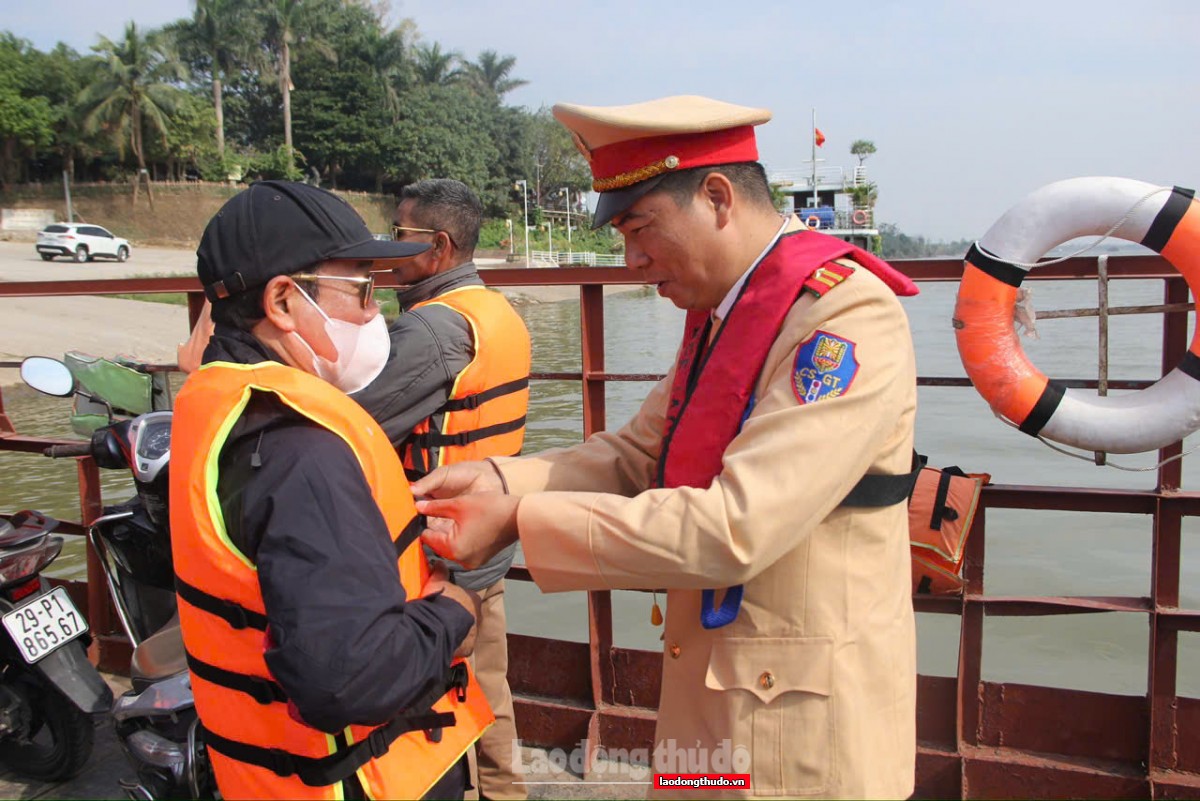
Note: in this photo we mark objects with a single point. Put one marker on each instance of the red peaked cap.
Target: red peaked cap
(630, 148)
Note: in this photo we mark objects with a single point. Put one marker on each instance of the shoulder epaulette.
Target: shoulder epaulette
(827, 276)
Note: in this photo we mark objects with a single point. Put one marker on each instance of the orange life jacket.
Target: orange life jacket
(257, 749)
(940, 513)
(485, 413)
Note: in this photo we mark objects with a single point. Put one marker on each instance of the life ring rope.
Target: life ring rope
(994, 269)
(1090, 246)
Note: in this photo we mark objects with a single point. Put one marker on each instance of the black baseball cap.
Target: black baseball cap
(280, 227)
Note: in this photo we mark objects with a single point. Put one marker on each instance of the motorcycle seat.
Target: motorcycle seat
(160, 655)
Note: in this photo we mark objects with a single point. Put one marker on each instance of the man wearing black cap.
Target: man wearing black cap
(325, 657)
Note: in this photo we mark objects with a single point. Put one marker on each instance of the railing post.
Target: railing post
(600, 633)
(6, 426)
(91, 507)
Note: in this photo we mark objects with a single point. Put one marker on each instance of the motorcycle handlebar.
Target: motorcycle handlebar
(70, 449)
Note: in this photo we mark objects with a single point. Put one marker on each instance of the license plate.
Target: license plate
(45, 624)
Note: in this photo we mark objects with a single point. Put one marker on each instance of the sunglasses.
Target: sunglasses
(366, 286)
(398, 232)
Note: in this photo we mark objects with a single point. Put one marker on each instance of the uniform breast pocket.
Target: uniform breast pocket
(777, 695)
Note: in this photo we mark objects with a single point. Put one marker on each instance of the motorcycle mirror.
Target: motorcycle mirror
(47, 375)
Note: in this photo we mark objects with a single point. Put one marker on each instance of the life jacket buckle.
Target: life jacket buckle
(236, 616)
(282, 763)
(261, 692)
(377, 744)
(459, 679)
(434, 735)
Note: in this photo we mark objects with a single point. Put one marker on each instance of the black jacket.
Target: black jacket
(345, 644)
(430, 347)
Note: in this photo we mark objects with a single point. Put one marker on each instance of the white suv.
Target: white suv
(80, 241)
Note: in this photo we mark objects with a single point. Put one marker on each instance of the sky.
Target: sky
(970, 104)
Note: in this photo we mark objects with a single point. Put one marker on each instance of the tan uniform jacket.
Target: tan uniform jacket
(817, 676)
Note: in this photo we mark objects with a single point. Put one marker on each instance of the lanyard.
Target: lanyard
(712, 616)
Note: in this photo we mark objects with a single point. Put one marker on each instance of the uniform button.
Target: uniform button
(766, 680)
(674, 649)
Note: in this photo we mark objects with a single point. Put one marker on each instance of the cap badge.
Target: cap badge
(632, 177)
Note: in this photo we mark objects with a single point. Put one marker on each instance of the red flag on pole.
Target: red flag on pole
(818, 137)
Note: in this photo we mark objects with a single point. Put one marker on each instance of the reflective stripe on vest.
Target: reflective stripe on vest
(485, 413)
(258, 750)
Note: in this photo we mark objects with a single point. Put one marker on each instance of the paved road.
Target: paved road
(20, 262)
(102, 326)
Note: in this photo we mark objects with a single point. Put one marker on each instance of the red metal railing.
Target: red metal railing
(977, 739)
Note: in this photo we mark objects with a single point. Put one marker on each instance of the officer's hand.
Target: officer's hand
(439, 581)
(470, 529)
(464, 478)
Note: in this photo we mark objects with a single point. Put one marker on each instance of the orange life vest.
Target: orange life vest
(485, 413)
(940, 513)
(257, 749)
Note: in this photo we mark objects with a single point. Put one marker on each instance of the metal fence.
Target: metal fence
(977, 739)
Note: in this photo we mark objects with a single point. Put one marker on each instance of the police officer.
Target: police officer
(455, 389)
(320, 647)
(789, 628)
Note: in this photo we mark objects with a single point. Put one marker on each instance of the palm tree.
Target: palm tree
(386, 54)
(285, 27)
(490, 74)
(435, 67)
(217, 32)
(133, 90)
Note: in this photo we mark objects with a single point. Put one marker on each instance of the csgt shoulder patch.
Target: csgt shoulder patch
(825, 367)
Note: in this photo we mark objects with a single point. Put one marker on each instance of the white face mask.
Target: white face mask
(362, 350)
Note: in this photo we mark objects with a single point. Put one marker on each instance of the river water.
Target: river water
(1028, 553)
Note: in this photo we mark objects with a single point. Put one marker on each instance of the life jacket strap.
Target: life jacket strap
(264, 691)
(342, 764)
(236, 615)
(873, 491)
(409, 534)
(480, 398)
(436, 439)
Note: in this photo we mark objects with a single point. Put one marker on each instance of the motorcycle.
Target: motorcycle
(48, 688)
(156, 719)
(49, 691)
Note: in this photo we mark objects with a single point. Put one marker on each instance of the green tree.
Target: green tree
(344, 110)
(190, 140)
(442, 132)
(861, 148)
(64, 74)
(217, 38)
(386, 55)
(26, 119)
(561, 163)
(491, 74)
(133, 90)
(436, 67)
(288, 25)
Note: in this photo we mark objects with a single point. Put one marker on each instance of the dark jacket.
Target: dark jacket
(345, 644)
(430, 347)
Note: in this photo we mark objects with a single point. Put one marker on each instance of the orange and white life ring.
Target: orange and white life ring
(859, 217)
(812, 221)
(1164, 219)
